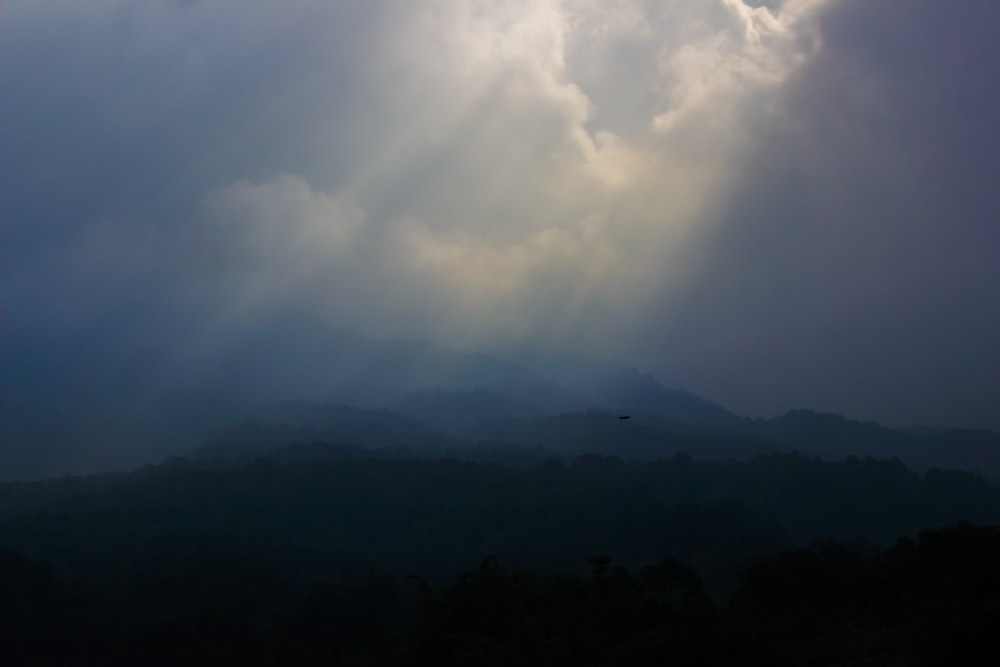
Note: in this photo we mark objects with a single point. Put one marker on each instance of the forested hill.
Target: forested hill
(368, 560)
(460, 422)
(431, 516)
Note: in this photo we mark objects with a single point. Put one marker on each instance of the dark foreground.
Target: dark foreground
(288, 564)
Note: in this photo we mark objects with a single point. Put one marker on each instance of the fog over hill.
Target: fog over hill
(284, 386)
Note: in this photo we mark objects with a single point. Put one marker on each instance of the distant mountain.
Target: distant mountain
(835, 437)
(270, 427)
(91, 408)
(639, 438)
(618, 387)
(960, 449)
(301, 430)
(463, 412)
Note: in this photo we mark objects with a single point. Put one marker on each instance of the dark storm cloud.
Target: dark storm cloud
(856, 266)
(118, 110)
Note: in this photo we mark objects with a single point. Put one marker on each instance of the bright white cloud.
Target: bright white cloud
(490, 166)
(746, 52)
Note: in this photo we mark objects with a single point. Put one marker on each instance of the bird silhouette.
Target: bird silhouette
(625, 417)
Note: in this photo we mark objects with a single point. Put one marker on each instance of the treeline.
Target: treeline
(933, 600)
(458, 425)
(318, 516)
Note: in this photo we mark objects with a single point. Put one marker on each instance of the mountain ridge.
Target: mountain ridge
(468, 396)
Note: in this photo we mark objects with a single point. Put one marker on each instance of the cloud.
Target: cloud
(733, 177)
(282, 222)
(474, 140)
(747, 52)
(850, 267)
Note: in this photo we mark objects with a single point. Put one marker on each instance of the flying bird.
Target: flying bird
(625, 417)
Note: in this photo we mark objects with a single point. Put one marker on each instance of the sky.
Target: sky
(773, 204)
